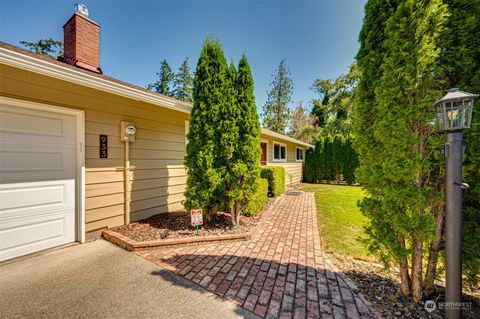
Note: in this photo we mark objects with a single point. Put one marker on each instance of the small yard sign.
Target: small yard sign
(197, 218)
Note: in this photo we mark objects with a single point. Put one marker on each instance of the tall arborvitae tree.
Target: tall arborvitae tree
(349, 162)
(164, 84)
(460, 58)
(226, 144)
(400, 164)
(184, 83)
(338, 156)
(310, 168)
(245, 162)
(276, 111)
(223, 147)
(202, 155)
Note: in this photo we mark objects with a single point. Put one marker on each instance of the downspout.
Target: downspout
(126, 181)
(127, 133)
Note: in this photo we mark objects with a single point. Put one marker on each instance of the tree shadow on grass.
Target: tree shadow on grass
(268, 288)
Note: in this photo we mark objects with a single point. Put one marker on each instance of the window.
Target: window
(300, 154)
(279, 152)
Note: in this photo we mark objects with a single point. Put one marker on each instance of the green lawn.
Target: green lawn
(339, 219)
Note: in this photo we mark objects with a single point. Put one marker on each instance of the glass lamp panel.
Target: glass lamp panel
(441, 116)
(454, 115)
(468, 112)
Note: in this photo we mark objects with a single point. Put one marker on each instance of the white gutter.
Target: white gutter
(35, 65)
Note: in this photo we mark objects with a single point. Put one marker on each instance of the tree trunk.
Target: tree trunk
(235, 214)
(416, 272)
(433, 253)
(403, 265)
(238, 211)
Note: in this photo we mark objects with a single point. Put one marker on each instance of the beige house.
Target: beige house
(278, 149)
(81, 152)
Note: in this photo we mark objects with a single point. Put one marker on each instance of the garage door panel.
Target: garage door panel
(38, 160)
(40, 234)
(47, 162)
(17, 122)
(22, 200)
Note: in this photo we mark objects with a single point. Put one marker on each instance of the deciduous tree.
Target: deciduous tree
(301, 125)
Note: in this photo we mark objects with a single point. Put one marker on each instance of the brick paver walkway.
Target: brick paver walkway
(280, 273)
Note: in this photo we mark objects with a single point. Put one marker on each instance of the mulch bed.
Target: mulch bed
(179, 225)
(381, 288)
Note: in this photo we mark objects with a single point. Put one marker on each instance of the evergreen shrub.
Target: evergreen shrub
(258, 199)
(275, 175)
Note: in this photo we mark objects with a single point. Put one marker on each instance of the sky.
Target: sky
(319, 39)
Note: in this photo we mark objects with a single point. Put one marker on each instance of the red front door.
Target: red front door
(263, 157)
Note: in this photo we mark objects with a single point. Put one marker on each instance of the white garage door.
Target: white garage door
(37, 179)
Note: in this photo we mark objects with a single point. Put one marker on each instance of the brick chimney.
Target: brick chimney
(81, 37)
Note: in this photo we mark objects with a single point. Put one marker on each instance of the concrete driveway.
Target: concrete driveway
(100, 280)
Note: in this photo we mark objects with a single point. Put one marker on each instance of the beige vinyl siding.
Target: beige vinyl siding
(291, 165)
(156, 157)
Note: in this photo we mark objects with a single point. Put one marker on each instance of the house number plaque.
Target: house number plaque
(103, 146)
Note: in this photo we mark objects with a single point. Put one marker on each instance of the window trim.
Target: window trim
(286, 149)
(296, 154)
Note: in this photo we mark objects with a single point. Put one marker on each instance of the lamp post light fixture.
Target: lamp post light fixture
(454, 114)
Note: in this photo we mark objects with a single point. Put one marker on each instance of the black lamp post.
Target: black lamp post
(454, 114)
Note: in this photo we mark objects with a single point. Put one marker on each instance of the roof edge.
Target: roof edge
(66, 73)
(284, 137)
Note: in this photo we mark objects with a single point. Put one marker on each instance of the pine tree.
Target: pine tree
(47, 47)
(184, 83)
(276, 111)
(165, 80)
(204, 179)
(400, 166)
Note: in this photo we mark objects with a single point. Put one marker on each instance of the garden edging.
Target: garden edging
(133, 245)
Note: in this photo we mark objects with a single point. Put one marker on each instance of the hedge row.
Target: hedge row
(258, 199)
(333, 159)
(275, 175)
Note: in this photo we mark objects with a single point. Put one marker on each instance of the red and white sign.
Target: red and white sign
(197, 217)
